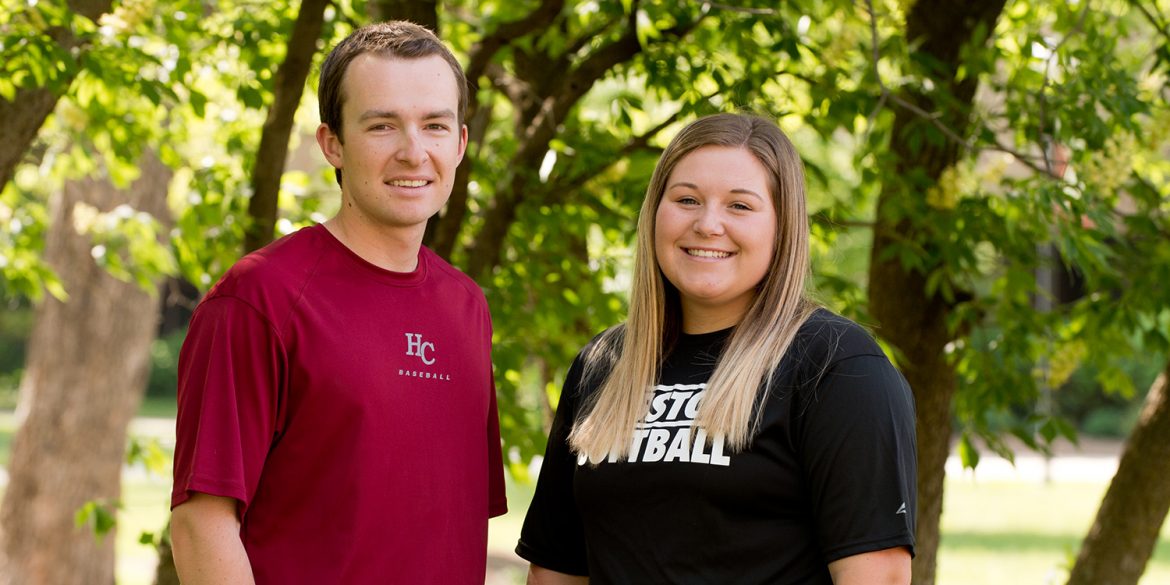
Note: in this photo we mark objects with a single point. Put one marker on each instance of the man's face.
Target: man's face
(402, 140)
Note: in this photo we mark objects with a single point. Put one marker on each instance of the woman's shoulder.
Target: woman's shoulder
(594, 361)
(826, 338)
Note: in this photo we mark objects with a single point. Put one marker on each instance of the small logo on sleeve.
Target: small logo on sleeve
(901, 510)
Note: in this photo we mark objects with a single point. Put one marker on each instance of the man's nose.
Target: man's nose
(410, 149)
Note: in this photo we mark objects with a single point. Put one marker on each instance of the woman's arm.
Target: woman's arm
(542, 576)
(890, 566)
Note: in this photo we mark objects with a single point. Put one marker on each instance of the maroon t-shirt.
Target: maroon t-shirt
(350, 410)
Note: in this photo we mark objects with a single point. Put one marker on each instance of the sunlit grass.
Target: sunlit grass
(1023, 532)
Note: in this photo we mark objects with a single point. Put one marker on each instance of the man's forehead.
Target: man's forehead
(367, 69)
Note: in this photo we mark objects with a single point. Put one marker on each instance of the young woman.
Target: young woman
(730, 431)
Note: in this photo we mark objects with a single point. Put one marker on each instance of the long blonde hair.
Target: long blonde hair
(633, 354)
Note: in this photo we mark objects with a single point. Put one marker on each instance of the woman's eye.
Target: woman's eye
(741, 206)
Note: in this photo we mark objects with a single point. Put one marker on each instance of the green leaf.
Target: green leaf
(99, 515)
(968, 454)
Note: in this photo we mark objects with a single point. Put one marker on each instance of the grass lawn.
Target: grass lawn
(994, 532)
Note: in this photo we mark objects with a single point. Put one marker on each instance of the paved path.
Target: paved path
(1091, 460)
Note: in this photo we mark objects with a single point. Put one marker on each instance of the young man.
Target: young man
(337, 417)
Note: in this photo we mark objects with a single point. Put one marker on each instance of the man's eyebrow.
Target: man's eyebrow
(371, 114)
(737, 190)
(375, 114)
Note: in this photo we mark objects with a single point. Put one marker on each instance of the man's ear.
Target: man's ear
(462, 141)
(330, 144)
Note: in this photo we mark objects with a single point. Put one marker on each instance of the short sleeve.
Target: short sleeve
(497, 496)
(859, 453)
(230, 377)
(553, 536)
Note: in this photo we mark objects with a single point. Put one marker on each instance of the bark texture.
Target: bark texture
(910, 319)
(86, 370)
(1123, 536)
(273, 152)
(22, 118)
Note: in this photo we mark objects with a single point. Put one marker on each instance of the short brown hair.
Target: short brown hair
(396, 38)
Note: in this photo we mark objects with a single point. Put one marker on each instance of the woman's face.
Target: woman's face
(714, 234)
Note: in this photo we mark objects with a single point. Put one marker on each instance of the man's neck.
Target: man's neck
(389, 248)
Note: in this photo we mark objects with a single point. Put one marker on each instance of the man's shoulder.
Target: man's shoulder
(447, 276)
(275, 274)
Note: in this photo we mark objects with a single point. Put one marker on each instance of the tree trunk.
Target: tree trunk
(166, 573)
(913, 321)
(1119, 544)
(88, 359)
(287, 91)
(443, 230)
(916, 325)
(424, 12)
(22, 118)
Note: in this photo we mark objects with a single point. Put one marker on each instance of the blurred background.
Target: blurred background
(989, 191)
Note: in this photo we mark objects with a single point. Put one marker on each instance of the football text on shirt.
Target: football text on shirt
(666, 434)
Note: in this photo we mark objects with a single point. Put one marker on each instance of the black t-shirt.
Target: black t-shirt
(830, 474)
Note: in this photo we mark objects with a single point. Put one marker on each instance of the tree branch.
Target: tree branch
(743, 9)
(560, 190)
(1159, 27)
(505, 83)
(578, 44)
(288, 86)
(442, 231)
(823, 218)
(1042, 98)
(23, 116)
(534, 140)
(934, 118)
(506, 33)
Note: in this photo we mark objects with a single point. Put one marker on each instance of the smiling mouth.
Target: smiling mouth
(403, 183)
(706, 253)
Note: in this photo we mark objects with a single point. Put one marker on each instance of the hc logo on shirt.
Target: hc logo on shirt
(415, 346)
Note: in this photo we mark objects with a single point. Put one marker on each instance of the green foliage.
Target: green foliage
(164, 365)
(23, 272)
(30, 55)
(99, 515)
(126, 243)
(149, 453)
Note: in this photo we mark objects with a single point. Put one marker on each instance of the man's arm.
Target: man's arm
(882, 567)
(205, 535)
(542, 576)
